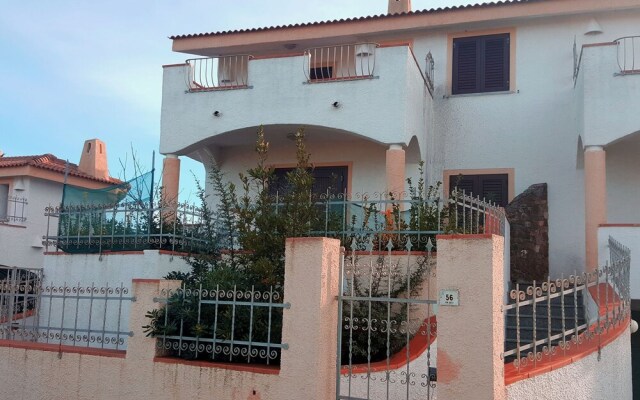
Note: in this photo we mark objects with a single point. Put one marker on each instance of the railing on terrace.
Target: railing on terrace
(540, 331)
(15, 212)
(212, 73)
(124, 227)
(340, 62)
(430, 73)
(629, 54)
(72, 315)
(222, 324)
(416, 220)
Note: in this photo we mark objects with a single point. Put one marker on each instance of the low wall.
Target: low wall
(598, 376)
(111, 268)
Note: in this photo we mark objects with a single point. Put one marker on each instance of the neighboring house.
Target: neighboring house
(31, 184)
(509, 94)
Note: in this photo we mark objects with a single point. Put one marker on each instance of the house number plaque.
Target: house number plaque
(449, 297)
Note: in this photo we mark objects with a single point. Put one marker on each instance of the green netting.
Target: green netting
(138, 189)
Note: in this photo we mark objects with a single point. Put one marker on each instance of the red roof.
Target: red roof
(339, 21)
(52, 163)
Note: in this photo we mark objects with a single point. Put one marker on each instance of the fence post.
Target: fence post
(141, 347)
(471, 335)
(310, 325)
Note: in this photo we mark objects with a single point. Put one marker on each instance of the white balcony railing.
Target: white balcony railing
(341, 62)
(228, 72)
(629, 54)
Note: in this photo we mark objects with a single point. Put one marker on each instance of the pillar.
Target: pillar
(309, 327)
(170, 179)
(471, 334)
(395, 169)
(595, 200)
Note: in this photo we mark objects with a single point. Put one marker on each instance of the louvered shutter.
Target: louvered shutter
(480, 64)
(493, 187)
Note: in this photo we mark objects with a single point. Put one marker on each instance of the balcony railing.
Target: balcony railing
(228, 72)
(15, 209)
(629, 54)
(131, 226)
(342, 62)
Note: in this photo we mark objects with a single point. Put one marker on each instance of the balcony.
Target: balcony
(338, 87)
(607, 81)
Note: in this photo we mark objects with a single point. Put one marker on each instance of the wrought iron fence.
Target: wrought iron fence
(386, 324)
(220, 324)
(15, 212)
(77, 315)
(341, 62)
(124, 227)
(548, 317)
(629, 54)
(226, 72)
(430, 73)
(416, 219)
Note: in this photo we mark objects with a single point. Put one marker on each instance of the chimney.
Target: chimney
(93, 160)
(399, 6)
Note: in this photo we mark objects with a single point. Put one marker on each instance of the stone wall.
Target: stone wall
(528, 215)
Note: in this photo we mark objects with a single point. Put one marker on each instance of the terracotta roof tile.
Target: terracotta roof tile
(370, 17)
(52, 163)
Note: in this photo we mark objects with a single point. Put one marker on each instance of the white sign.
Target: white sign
(449, 297)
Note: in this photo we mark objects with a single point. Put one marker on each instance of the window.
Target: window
(319, 73)
(494, 187)
(326, 179)
(4, 201)
(481, 64)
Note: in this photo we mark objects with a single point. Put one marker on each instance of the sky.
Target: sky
(72, 70)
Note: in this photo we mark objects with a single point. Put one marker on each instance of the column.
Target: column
(309, 327)
(595, 200)
(395, 166)
(471, 334)
(170, 179)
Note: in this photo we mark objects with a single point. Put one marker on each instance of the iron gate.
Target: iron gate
(386, 320)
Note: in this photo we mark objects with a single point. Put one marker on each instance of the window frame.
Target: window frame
(511, 32)
(510, 172)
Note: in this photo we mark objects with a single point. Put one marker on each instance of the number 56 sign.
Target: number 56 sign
(449, 297)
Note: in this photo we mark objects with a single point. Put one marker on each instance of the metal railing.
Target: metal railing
(340, 62)
(417, 220)
(628, 54)
(221, 324)
(124, 227)
(78, 315)
(15, 212)
(15, 307)
(541, 331)
(386, 312)
(430, 73)
(226, 72)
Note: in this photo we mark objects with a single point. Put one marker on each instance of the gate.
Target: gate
(386, 320)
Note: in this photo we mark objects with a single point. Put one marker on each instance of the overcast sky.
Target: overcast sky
(72, 70)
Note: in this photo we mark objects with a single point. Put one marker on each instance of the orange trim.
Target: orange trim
(17, 317)
(619, 225)
(575, 353)
(280, 55)
(460, 236)
(145, 280)
(174, 65)
(12, 225)
(417, 346)
(553, 362)
(63, 349)
(172, 253)
(600, 44)
(256, 369)
(408, 43)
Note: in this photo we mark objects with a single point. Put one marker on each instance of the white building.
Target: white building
(31, 184)
(519, 93)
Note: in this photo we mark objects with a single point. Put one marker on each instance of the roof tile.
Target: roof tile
(52, 163)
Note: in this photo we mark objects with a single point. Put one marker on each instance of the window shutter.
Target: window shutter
(496, 63)
(494, 188)
(465, 65)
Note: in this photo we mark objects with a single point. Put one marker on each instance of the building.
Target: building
(509, 94)
(29, 185)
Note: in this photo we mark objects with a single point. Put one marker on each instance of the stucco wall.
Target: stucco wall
(623, 179)
(534, 129)
(21, 242)
(596, 377)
